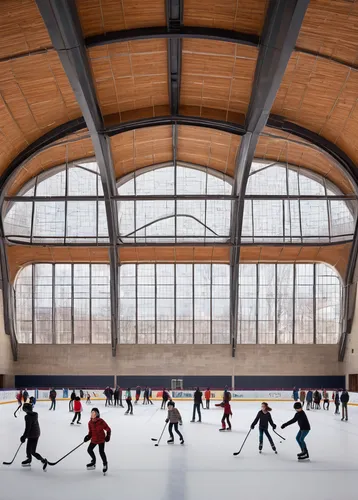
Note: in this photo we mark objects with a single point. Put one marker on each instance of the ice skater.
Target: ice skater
(304, 425)
(77, 406)
(70, 404)
(207, 398)
(138, 391)
(32, 433)
(99, 433)
(226, 416)
(165, 397)
(337, 401)
(32, 401)
(302, 397)
(174, 418)
(295, 394)
(25, 395)
(129, 401)
(88, 400)
(309, 399)
(264, 416)
(198, 395)
(19, 398)
(344, 401)
(325, 400)
(52, 396)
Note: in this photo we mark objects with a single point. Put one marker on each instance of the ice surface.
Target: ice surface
(204, 468)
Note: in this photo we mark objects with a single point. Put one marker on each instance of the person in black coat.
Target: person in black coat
(344, 401)
(32, 434)
(198, 401)
(304, 425)
(264, 416)
(73, 397)
(53, 395)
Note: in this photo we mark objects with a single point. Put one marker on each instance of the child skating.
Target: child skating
(264, 416)
(99, 433)
(226, 417)
(174, 418)
(32, 433)
(304, 425)
(77, 405)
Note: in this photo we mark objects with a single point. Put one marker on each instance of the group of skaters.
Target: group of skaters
(115, 397)
(313, 400)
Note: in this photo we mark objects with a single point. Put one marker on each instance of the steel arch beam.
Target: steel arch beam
(63, 24)
(282, 25)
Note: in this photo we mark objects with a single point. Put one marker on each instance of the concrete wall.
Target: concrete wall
(6, 362)
(178, 360)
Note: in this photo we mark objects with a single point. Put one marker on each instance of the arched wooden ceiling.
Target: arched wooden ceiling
(336, 255)
(211, 148)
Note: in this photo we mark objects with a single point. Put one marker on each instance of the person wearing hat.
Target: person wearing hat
(174, 418)
(32, 434)
(304, 425)
(99, 433)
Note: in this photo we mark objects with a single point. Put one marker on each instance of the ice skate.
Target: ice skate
(260, 448)
(181, 440)
(44, 462)
(170, 441)
(304, 455)
(274, 449)
(192, 421)
(222, 429)
(26, 463)
(105, 469)
(91, 466)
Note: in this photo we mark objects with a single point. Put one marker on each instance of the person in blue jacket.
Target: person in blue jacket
(309, 399)
(295, 394)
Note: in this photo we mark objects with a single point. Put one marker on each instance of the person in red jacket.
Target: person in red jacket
(99, 433)
(77, 406)
(226, 416)
(207, 398)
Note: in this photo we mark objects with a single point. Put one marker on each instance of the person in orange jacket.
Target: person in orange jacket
(207, 398)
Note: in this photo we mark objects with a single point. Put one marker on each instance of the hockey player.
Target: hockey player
(207, 398)
(25, 395)
(77, 406)
(19, 398)
(226, 417)
(99, 433)
(304, 425)
(165, 398)
(174, 418)
(264, 416)
(32, 434)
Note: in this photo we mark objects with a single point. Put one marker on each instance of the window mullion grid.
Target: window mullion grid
(90, 303)
(299, 204)
(314, 305)
(53, 304)
(136, 303)
(257, 303)
(193, 302)
(33, 304)
(329, 212)
(33, 214)
(97, 211)
(252, 221)
(211, 303)
(135, 219)
(155, 305)
(66, 201)
(294, 304)
(72, 305)
(175, 303)
(276, 299)
(288, 202)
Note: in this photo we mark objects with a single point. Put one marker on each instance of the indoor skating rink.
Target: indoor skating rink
(203, 468)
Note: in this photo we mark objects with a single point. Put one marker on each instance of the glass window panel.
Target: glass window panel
(268, 220)
(304, 304)
(18, 220)
(81, 182)
(23, 303)
(43, 304)
(341, 219)
(81, 221)
(49, 221)
(284, 303)
(247, 304)
(63, 303)
(266, 304)
(328, 305)
(314, 218)
(51, 185)
(268, 180)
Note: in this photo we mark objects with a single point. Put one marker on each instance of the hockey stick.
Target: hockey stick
(17, 451)
(154, 439)
(69, 453)
(17, 409)
(238, 452)
(279, 435)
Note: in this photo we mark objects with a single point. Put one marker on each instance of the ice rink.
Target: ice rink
(204, 468)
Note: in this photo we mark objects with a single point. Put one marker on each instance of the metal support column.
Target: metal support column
(282, 25)
(63, 25)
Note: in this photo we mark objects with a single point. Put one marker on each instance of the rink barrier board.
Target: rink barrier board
(9, 396)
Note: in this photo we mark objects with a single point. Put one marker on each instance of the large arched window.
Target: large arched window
(175, 220)
(60, 221)
(178, 304)
(286, 204)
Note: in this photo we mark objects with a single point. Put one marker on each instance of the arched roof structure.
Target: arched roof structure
(194, 81)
